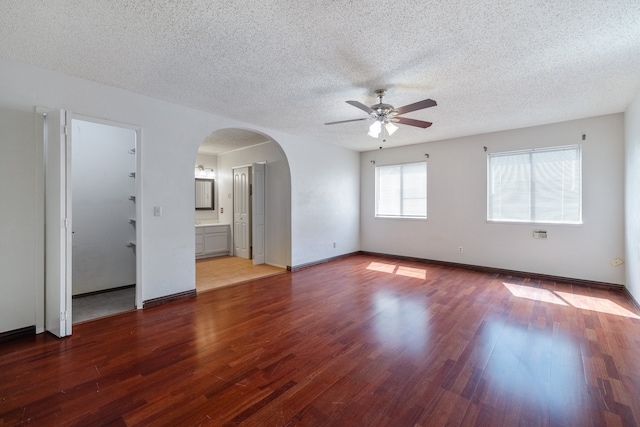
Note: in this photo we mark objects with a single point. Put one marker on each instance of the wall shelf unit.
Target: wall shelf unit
(132, 220)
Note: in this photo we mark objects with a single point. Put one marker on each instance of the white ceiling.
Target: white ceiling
(490, 64)
(226, 140)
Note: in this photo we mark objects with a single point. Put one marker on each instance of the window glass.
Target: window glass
(401, 190)
(535, 186)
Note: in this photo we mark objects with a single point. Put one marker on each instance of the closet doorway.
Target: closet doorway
(103, 220)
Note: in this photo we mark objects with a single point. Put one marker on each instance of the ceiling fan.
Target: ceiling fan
(385, 114)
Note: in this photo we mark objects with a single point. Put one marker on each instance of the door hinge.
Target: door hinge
(251, 189)
(66, 130)
(66, 223)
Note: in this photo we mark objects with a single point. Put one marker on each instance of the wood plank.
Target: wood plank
(363, 340)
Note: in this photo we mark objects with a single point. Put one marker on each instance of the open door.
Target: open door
(57, 225)
(257, 212)
(241, 212)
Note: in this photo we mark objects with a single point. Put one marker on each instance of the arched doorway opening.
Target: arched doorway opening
(228, 249)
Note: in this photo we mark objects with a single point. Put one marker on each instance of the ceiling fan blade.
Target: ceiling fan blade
(416, 106)
(347, 121)
(412, 122)
(361, 106)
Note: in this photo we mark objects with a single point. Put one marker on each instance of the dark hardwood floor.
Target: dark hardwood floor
(361, 341)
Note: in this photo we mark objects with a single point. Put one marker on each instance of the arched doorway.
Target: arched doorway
(219, 155)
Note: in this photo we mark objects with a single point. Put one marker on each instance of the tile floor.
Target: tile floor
(213, 273)
(103, 304)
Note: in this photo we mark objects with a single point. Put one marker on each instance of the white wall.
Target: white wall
(632, 196)
(19, 227)
(277, 196)
(101, 209)
(456, 205)
(324, 179)
(325, 183)
(209, 161)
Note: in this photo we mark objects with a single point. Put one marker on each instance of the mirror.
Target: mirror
(204, 194)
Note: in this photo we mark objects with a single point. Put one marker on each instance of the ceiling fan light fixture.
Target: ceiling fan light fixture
(391, 128)
(375, 129)
(387, 115)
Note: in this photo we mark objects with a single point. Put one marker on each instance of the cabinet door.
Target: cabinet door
(209, 243)
(215, 242)
(199, 244)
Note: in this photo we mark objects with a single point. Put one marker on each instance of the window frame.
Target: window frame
(377, 191)
(532, 186)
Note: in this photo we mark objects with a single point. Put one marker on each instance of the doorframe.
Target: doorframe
(282, 237)
(39, 113)
(59, 298)
(259, 204)
(41, 297)
(138, 186)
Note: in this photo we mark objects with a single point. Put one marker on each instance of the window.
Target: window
(401, 190)
(543, 185)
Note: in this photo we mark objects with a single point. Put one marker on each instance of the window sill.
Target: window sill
(411, 218)
(537, 224)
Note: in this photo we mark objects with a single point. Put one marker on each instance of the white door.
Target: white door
(57, 226)
(257, 212)
(241, 212)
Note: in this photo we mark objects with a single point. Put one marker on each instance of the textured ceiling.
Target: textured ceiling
(225, 140)
(490, 64)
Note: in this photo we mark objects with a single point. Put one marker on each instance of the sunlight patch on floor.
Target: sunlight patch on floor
(535, 294)
(584, 302)
(418, 273)
(381, 267)
(601, 305)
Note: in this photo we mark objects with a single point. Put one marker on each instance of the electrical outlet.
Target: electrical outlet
(616, 262)
(460, 249)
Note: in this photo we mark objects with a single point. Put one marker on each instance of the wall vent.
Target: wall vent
(539, 234)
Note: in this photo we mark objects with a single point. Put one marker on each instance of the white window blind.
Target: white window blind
(401, 190)
(542, 185)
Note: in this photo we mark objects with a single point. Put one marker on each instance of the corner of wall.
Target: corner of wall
(632, 200)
